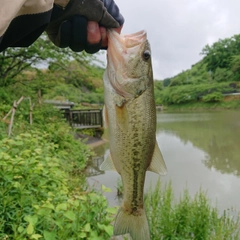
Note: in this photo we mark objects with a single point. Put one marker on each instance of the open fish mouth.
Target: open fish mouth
(122, 49)
(122, 46)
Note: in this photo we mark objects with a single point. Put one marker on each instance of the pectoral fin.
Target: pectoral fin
(105, 117)
(122, 117)
(108, 163)
(157, 164)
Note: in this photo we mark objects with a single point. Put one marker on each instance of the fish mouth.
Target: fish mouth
(121, 48)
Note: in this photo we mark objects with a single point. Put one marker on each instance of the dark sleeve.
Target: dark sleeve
(114, 11)
(24, 30)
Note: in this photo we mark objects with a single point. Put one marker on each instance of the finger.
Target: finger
(93, 48)
(63, 38)
(119, 29)
(103, 32)
(79, 33)
(93, 32)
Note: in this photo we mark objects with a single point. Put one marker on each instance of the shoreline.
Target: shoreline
(90, 140)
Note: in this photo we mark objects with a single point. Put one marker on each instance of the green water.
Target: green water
(201, 150)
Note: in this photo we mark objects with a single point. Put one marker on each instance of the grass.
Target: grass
(188, 218)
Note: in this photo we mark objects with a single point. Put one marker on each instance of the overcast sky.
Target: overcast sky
(179, 29)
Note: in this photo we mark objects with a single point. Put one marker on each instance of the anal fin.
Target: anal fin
(108, 163)
(157, 164)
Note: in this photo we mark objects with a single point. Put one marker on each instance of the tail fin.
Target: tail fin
(136, 226)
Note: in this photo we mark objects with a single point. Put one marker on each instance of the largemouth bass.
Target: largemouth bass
(130, 115)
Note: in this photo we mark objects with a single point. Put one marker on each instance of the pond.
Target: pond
(201, 150)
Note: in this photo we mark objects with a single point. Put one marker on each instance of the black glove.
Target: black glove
(68, 27)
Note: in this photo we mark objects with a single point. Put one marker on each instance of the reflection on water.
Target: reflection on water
(94, 167)
(200, 150)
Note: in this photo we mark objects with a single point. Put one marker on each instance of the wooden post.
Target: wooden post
(39, 96)
(30, 115)
(30, 109)
(20, 99)
(12, 118)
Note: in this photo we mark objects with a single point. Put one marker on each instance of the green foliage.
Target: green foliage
(69, 73)
(189, 218)
(213, 97)
(235, 67)
(15, 60)
(223, 75)
(42, 189)
(93, 97)
(220, 53)
(217, 73)
(119, 187)
(158, 87)
(166, 82)
(190, 93)
(64, 92)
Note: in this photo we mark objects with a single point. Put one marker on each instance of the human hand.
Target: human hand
(97, 35)
(82, 25)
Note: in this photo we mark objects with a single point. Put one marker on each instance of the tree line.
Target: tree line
(216, 74)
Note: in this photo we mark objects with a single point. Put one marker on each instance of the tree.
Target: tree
(235, 67)
(166, 82)
(220, 53)
(13, 61)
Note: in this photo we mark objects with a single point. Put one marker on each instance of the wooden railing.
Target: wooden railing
(81, 119)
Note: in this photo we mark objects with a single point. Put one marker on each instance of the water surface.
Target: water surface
(201, 150)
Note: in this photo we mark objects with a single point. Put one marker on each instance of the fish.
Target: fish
(130, 116)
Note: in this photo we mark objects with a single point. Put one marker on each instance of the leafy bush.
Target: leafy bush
(213, 97)
(190, 218)
(93, 97)
(40, 197)
(190, 93)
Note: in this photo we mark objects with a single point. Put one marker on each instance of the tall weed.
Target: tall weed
(189, 218)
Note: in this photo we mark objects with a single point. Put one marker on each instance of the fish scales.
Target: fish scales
(130, 115)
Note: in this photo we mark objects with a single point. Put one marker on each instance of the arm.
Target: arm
(8, 11)
(23, 21)
(76, 25)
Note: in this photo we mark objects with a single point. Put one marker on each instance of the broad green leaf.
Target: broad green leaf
(19, 143)
(44, 211)
(59, 223)
(20, 229)
(30, 229)
(87, 227)
(61, 206)
(6, 157)
(109, 229)
(16, 184)
(82, 235)
(70, 215)
(81, 197)
(49, 235)
(31, 219)
(48, 205)
(36, 236)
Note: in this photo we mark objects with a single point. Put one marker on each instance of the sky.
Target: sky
(179, 29)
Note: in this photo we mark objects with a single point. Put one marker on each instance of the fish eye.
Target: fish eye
(146, 54)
